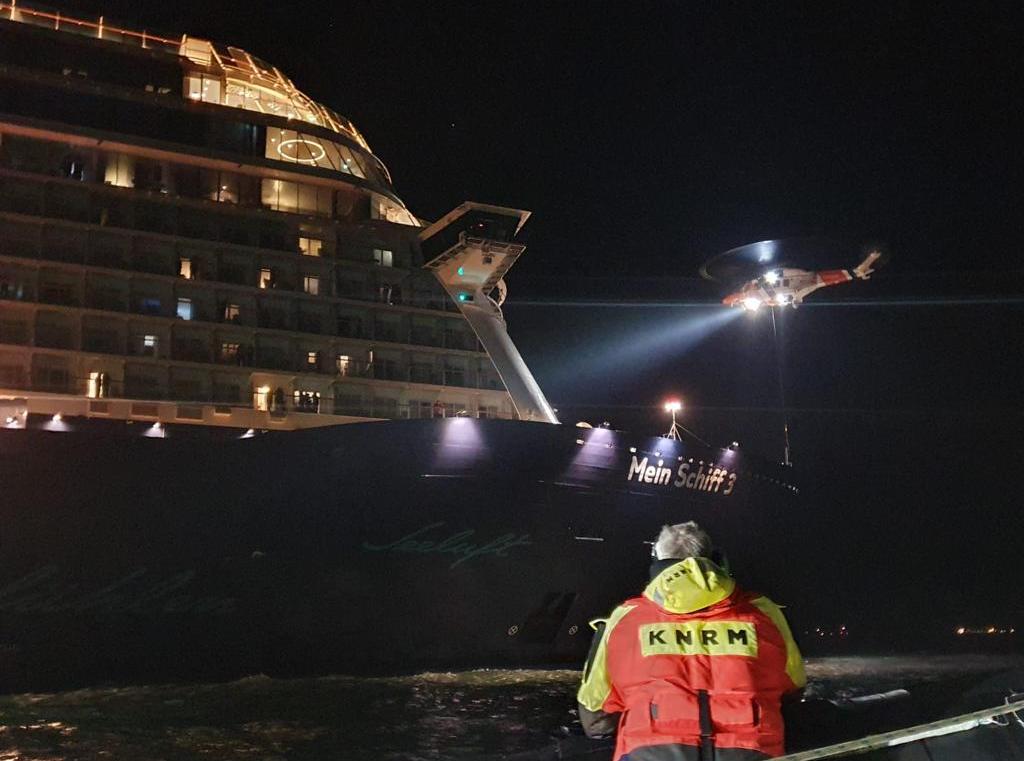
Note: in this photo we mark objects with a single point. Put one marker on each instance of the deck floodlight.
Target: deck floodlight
(672, 406)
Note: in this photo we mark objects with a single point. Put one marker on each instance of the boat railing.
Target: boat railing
(998, 715)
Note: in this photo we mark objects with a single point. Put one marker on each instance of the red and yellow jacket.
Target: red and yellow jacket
(694, 662)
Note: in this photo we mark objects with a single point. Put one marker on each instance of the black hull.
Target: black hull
(361, 548)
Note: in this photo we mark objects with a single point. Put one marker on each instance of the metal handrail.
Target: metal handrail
(953, 725)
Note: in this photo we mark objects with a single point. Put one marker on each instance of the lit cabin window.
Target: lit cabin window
(98, 385)
(150, 344)
(229, 352)
(232, 313)
(306, 401)
(203, 88)
(266, 278)
(185, 309)
(383, 257)
(120, 170)
(344, 363)
(311, 285)
(185, 268)
(261, 398)
(312, 359)
(310, 246)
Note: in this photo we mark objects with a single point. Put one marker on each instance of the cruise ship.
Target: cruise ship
(257, 416)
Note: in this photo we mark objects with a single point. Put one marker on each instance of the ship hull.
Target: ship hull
(365, 548)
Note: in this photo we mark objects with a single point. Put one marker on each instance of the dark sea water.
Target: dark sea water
(465, 715)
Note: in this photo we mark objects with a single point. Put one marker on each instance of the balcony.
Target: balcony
(272, 360)
(242, 356)
(419, 373)
(454, 377)
(310, 323)
(51, 337)
(273, 319)
(103, 342)
(191, 351)
(388, 371)
(107, 258)
(152, 265)
(63, 295)
(349, 328)
(454, 340)
(425, 337)
(233, 275)
(143, 388)
(385, 332)
(109, 301)
(12, 332)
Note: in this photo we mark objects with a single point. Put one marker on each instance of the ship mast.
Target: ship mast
(469, 250)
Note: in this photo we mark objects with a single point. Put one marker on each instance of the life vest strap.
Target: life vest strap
(707, 729)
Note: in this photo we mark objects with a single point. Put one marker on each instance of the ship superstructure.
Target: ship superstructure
(187, 238)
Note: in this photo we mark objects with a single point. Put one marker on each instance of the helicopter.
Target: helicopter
(775, 281)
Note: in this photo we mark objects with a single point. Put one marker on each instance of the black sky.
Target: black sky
(646, 136)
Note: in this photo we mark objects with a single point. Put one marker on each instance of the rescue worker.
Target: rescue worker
(695, 668)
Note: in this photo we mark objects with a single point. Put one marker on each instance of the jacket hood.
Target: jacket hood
(690, 585)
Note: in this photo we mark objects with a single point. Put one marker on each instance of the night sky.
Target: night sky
(647, 136)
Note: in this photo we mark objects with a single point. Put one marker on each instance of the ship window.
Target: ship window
(203, 88)
(73, 167)
(298, 148)
(344, 363)
(150, 344)
(383, 257)
(310, 246)
(99, 385)
(229, 352)
(312, 359)
(384, 208)
(185, 309)
(261, 398)
(306, 401)
(311, 285)
(232, 313)
(266, 278)
(185, 268)
(293, 197)
(120, 170)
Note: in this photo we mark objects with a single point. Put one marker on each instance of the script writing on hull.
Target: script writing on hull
(463, 545)
(705, 477)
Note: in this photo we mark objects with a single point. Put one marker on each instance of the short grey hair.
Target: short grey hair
(681, 541)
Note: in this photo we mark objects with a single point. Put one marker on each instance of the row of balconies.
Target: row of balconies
(333, 281)
(299, 317)
(341, 400)
(148, 209)
(228, 350)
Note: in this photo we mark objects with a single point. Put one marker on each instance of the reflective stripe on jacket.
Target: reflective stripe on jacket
(694, 662)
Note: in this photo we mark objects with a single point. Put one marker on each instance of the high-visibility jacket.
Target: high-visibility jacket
(694, 664)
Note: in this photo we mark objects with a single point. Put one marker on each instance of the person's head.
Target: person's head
(681, 541)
